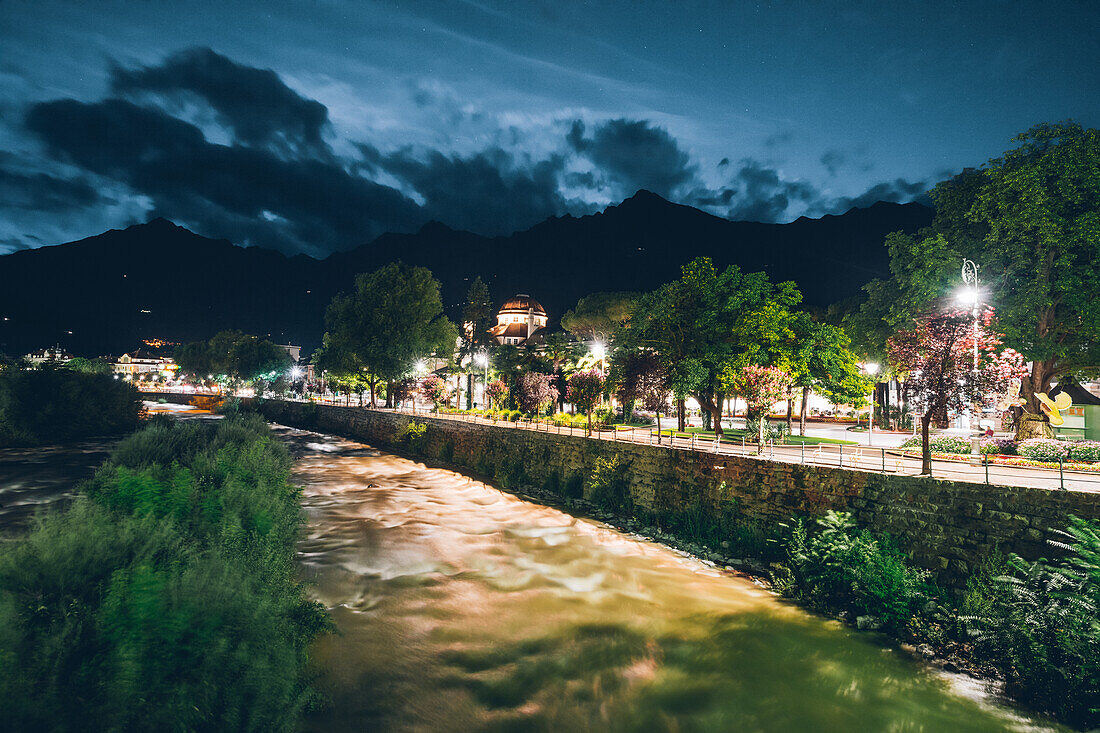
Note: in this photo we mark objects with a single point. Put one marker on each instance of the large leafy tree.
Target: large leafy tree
(534, 390)
(709, 324)
(393, 318)
(821, 360)
(599, 316)
(585, 390)
(1031, 220)
(236, 355)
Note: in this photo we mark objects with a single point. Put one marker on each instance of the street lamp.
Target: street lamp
(970, 295)
(871, 369)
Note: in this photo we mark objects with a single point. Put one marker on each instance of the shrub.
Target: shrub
(55, 404)
(165, 597)
(1041, 631)
(842, 567)
(1043, 449)
(413, 436)
(609, 486)
(998, 447)
(1085, 451)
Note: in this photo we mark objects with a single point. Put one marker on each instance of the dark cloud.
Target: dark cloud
(259, 108)
(278, 184)
(896, 191)
(762, 195)
(489, 192)
(780, 138)
(43, 192)
(634, 154)
(302, 204)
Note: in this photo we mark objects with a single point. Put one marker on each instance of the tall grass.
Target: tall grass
(166, 596)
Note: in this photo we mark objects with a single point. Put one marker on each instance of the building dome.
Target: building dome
(520, 318)
(521, 303)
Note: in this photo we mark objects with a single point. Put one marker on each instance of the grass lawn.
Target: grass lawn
(736, 435)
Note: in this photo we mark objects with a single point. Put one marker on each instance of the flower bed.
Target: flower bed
(998, 460)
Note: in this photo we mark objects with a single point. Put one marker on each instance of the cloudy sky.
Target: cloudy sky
(314, 125)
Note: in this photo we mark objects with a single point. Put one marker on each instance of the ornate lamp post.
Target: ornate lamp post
(970, 294)
(871, 370)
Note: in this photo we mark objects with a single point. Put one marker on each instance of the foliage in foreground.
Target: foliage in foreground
(56, 404)
(1035, 623)
(165, 597)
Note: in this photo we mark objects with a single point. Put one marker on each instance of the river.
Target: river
(461, 608)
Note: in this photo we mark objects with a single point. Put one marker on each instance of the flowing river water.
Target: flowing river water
(463, 608)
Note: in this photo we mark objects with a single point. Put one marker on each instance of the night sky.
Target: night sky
(315, 126)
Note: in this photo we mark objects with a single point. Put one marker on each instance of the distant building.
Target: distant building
(519, 321)
(142, 361)
(294, 351)
(55, 353)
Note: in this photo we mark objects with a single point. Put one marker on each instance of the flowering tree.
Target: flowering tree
(653, 387)
(938, 358)
(760, 387)
(533, 390)
(585, 389)
(434, 389)
(497, 392)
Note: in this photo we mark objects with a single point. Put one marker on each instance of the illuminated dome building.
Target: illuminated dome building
(519, 320)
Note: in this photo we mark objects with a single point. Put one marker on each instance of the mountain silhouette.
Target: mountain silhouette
(159, 280)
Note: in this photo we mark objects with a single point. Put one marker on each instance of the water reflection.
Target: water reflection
(464, 608)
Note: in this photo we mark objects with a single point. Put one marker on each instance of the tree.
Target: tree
(653, 388)
(761, 387)
(560, 352)
(393, 318)
(937, 357)
(533, 390)
(585, 390)
(1031, 220)
(599, 316)
(497, 393)
(88, 366)
(434, 390)
(237, 355)
(821, 360)
(477, 318)
(709, 324)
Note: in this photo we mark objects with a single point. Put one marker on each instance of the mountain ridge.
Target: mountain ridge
(159, 279)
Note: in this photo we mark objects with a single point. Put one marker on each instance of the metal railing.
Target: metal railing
(973, 469)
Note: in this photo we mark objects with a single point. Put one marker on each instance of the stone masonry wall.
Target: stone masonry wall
(945, 526)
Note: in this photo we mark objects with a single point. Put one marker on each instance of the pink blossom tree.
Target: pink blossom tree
(944, 372)
(434, 390)
(497, 392)
(760, 387)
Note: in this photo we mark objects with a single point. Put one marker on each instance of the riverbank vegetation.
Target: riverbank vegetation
(1034, 625)
(166, 596)
(54, 403)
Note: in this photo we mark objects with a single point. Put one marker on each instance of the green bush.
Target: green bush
(54, 404)
(413, 436)
(609, 485)
(840, 567)
(166, 596)
(1041, 630)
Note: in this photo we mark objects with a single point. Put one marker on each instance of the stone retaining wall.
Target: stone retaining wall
(945, 526)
